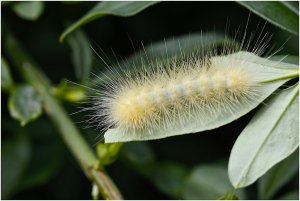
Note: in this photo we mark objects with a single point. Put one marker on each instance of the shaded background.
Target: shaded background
(47, 169)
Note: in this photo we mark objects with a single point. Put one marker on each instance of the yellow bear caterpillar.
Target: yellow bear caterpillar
(184, 95)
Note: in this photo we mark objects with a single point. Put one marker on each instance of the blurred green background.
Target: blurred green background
(36, 164)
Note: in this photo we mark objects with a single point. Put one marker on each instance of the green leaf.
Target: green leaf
(117, 8)
(293, 195)
(270, 137)
(140, 155)
(278, 176)
(81, 54)
(108, 153)
(287, 59)
(169, 178)
(25, 104)
(182, 44)
(48, 155)
(162, 51)
(15, 158)
(278, 13)
(6, 80)
(29, 10)
(282, 62)
(265, 70)
(292, 5)
(41, 171)
(47, 159)
(207, 182)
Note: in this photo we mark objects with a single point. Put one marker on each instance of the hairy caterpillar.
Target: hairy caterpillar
(194, 91)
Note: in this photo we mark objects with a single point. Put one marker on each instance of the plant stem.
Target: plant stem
(70, 134)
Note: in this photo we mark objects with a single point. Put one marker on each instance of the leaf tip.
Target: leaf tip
(62, 37)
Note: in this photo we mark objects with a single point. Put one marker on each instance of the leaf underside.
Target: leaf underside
(271, 136)
(224, 115)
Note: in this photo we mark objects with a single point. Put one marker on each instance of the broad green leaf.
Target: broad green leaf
(270, 137)
(278, 176)
(169, 178)
(278, 13)
(182, 45)
(294, 195)
(280, 62)
(41, 171)
(6, 80)
(265, 70)
(161, 51)
(292, 5)
(29, 10)
(15, 157)
(48, 154)
(140, 155)
(25, 104)
(287, 59)
(108, 153)
(207, 182)
(117, 8)
(81, 54)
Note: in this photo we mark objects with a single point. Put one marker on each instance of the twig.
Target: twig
(70, 134)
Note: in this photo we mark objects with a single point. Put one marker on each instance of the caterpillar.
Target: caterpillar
(194, 91)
